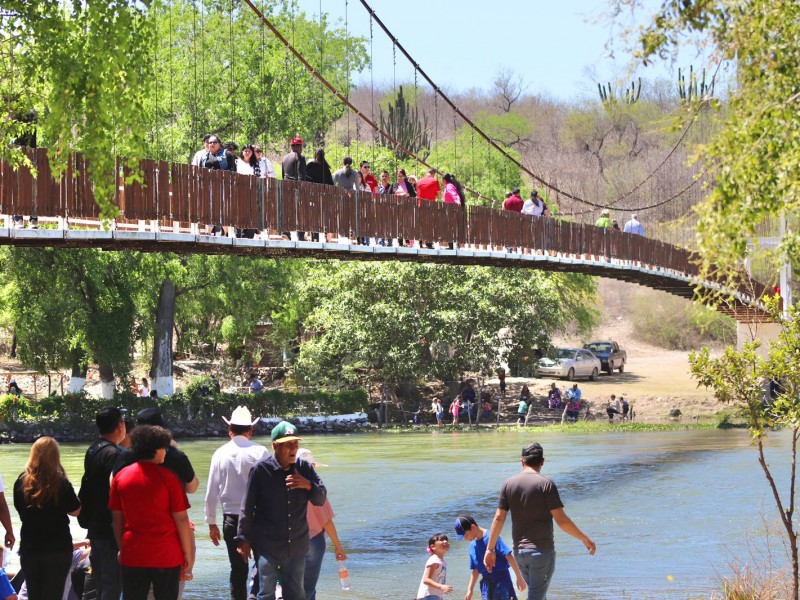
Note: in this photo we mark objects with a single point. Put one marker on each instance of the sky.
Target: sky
(559, 48)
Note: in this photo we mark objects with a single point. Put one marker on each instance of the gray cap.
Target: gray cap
(533, 450)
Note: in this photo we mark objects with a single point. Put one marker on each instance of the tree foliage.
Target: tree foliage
(403, 321)
(757, 150)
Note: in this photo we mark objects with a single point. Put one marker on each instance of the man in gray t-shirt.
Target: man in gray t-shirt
(534, 503)
(346, 178)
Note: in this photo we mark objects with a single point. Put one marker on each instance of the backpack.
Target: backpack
(85, 494)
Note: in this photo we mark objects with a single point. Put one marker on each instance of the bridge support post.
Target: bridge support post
(764, 332)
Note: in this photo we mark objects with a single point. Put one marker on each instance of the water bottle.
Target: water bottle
(344, 577)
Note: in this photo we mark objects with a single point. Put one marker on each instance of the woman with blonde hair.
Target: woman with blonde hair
(44, 497)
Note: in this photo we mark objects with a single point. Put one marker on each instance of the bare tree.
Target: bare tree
(509, 87)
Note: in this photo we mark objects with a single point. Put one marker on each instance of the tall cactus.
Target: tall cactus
(609, 98)
(404, 125)
(694, 89)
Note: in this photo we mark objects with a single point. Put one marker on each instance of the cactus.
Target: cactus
(694, 89)
(608, 96)
(404, 125)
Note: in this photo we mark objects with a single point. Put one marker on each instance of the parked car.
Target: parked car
(610, 354)
(570, 363)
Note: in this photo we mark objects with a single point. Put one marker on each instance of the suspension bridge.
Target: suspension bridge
(171, 208)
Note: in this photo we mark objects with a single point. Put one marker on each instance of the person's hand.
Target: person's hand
(10, 539)
(468, 595)
(521, 585)
(590, 546)
(447, 589)
(488, 561)
(213, 533)
(340, 555)
(244, 551)
(297, 481)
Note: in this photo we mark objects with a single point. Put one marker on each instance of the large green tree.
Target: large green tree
(403, 321)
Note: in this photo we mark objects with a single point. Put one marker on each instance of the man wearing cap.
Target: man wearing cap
(227, 482)
(175, 460)
(534, 503)
(294, 163)
(604, 220)
(272, 519)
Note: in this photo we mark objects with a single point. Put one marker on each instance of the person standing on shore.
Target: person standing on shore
(97, 465)
(272, 519)
(534, 503)
(227, 483)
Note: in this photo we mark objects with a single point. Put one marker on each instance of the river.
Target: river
(668, 510)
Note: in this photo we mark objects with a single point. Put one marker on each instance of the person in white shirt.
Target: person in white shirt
(634, 226)
(535, 206)
(265, 164)
(227, 484)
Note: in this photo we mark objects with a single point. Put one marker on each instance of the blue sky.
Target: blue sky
(559, 48)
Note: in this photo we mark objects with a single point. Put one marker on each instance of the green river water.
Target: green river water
(668, 510)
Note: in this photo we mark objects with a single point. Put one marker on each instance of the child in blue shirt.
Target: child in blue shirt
(496, 585)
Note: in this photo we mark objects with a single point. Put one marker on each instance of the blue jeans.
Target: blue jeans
(291, 572)
(537, 571)
(316, 552)
(105, 569)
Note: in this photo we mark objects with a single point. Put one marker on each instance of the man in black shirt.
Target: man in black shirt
(294, 163)
(98, 463)
(175, 460)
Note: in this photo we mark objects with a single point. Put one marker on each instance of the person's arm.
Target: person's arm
(5, 519)
(212, 499)
(181, 519)
(473, 579)
(313, 484)
(192, 486)
(521, 585)
(429, 581)
(117, 522)
(330, 529)
(568, 526)
(494, 532)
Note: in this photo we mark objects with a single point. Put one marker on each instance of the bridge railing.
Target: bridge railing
(171, 192)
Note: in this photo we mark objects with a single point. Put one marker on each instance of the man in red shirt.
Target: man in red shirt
(369, 178)
(514, 202)
(428, 187)
(151, 524)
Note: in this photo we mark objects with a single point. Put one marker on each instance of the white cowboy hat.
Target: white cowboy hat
(306, 455)
(241, 416)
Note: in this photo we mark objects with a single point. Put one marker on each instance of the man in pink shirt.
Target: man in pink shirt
(514, 202)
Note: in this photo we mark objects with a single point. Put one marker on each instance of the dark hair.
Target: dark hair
(436, 537)
(108, 419)
(403, 171)
(130, 425)
(347, 161)
(533, 461)
(364, 163)
(239, 429)
(452, 179)
(154, 393)
(146, 439)
(253, 162)
(319, 155)
(206, 137)
(231, 147)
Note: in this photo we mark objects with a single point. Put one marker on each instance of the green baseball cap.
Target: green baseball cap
(284, 432)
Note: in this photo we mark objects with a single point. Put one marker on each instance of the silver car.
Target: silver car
(570, 363)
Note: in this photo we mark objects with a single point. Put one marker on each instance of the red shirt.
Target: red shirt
(147, 495)
(428, 187)
(371, 182)
(514, 203)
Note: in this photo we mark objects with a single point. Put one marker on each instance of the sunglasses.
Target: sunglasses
(258, 151)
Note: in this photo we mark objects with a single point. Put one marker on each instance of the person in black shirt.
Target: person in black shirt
(294, 163)
(98, 463)
(44, 497)
(318, 170)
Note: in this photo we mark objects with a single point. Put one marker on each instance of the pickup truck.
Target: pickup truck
(610, 354)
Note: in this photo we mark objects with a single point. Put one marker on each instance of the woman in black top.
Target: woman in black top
(43, 497)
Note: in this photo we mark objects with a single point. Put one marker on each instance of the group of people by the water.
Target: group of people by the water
(534, 503)
(133, 503)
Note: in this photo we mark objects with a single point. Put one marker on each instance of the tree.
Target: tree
(737, 378)
(509, 88)
(755, 153)
(402, 321)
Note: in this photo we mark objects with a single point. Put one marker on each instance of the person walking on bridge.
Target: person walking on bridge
(634, 226)
(604, 220)
(294, 163)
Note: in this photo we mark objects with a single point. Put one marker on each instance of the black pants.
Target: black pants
(45, 573)
(238, 564)
(136, 582)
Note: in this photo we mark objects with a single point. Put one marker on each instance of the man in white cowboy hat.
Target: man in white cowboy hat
(272, 521)
(227, 483)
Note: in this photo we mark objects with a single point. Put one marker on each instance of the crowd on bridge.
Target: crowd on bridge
(251, 160)
(140, 543)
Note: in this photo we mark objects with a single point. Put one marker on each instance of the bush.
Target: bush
(198, 402)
